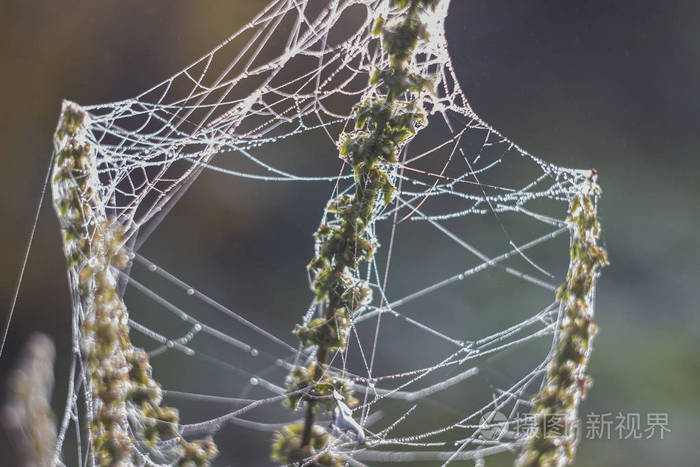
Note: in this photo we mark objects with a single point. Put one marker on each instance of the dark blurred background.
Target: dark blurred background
(610, 85)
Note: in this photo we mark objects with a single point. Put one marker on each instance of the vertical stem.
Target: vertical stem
(389, 116)
(119, 375)
(566, 382)
(321, 361)
(27, 414)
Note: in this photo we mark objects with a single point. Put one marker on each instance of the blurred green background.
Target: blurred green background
(610, 85)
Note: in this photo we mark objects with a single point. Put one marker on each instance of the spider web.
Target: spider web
(441, 347)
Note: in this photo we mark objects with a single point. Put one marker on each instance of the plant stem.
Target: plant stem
(384, 123)
(119, 374)
(566, 381)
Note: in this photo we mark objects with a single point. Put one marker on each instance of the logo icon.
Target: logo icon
(493, 425)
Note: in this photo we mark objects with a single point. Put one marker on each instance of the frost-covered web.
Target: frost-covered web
(463, 318)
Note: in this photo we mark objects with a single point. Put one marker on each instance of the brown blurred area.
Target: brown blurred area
(610, 85)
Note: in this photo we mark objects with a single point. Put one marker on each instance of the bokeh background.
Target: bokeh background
(610, 85)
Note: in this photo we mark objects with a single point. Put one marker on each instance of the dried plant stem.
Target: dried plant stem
(554, 440)
(124, 399)
(27, 414)
(384, 123)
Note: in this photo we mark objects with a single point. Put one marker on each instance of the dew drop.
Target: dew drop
(190, 291)
(254, 381)
(461, 277)
(170, 344)
(254, 352)
(197, 327)
(152, 267)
